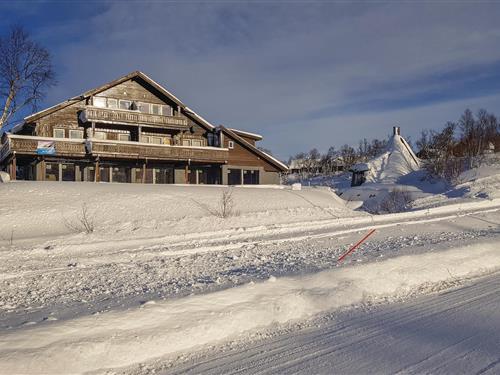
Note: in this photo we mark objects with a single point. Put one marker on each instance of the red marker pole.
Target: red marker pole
(356, 245)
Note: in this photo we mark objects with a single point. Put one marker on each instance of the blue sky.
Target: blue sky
(302, 73)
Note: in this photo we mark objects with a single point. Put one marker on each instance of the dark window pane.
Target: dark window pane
(68, 172)
(234, 177)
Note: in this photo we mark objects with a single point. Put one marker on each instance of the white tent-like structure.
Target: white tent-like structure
(398, 160)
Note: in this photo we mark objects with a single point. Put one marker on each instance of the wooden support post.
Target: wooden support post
(13, 168)
(144, 173)
(97, 177)
(186, 174)
(93, 129)
(139, 132)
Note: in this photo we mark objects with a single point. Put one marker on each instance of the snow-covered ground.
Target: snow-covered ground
(161, 275)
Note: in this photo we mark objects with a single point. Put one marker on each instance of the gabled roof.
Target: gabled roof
(97, 90)
(261, 153)
(234, 133)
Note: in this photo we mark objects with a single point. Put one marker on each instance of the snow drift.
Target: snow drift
(122, 338)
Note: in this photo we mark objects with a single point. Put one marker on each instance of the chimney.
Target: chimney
(396, 130)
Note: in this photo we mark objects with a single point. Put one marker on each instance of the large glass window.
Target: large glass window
(196, 142)
(121, 174)
(164, 175)
(155, 140)
(99, 102)
(234, 176)
(104, 174)
(250, 177)
(51, 172)
(68, 172)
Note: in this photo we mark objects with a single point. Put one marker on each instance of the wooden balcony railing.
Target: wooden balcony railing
(116, 116)
(29, 144)
(114, 149)
(161, 152)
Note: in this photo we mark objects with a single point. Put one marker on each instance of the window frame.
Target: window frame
(230, 145)
(109, 100)
(58, 129)
(100, 132)
(122, 135)
(124, 101)
(78, 131)
(98, 98)
(163, 107)
(153, 106)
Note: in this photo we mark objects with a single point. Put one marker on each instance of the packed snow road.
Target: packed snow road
(454, 332)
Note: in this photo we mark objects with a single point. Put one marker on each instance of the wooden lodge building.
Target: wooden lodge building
(133, 130)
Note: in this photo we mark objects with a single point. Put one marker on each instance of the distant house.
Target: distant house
(133, 130)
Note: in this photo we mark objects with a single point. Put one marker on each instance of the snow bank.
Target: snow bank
(137, 209)
(121, 338)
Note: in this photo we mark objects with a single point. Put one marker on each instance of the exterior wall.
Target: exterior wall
(65, 118)
(241, 155)
(270, 178)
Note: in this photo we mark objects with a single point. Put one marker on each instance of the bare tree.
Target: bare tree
(84, 222)
(25, 73)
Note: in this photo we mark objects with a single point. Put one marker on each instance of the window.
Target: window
(186, 142)
(100, 135)
(166, 110)
(51, 172)
(76, 134)
(155, 140)
(196, 143)
(124, 137)
(99, 102)
(68, 172)
(155, 109)
(143, 107)
(112, 103)
(234, 177)
(230, 144)
(250, 177)
(125, 104)
(59, 133)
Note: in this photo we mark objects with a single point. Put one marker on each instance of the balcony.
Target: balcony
(116, 116)
(28, 145)
(137, 150)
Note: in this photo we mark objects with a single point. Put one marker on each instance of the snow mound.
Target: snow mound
(121, 338)
(4, 177)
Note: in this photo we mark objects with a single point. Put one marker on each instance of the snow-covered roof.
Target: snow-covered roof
(257, 137)
(398, 160)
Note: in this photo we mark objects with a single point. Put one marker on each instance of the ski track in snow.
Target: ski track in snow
(453, 332)
(49, 286)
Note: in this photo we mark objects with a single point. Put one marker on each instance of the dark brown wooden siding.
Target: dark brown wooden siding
(66, 118)
(241, 155)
